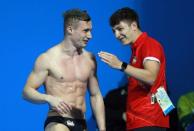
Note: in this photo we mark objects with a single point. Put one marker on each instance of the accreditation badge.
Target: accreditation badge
(164, 100)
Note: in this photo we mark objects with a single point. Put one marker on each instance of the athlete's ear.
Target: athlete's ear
(134, 26)
(69, 29)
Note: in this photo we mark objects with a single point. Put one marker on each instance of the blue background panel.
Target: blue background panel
(28, 28)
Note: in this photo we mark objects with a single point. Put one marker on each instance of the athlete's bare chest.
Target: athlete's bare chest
(70, 68)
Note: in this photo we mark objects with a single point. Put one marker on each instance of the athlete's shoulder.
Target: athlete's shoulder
(42, 60)
(88, 54)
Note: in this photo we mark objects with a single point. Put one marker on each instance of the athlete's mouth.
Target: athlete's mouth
(85, 41)
(121, 38)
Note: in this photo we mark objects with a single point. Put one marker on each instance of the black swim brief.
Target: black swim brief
(72, 124)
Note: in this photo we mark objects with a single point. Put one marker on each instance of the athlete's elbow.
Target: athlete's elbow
(24, 94)
(151, 81)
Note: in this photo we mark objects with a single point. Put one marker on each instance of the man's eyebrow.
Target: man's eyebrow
(116, 27)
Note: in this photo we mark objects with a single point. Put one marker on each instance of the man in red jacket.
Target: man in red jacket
(146, 71)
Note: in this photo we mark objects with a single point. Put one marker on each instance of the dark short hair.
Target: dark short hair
(75, 15)
(124, 14)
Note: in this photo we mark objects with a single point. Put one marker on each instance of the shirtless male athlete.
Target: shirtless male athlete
(67, 71)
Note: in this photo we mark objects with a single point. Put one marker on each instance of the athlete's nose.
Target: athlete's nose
(117, 34)
(89, 35)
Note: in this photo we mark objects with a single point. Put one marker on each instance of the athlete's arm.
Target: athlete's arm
(97, 102)
(36, 78)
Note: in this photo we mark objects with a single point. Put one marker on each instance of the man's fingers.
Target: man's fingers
(66, 106)
(62, 109)
(105, 53)
(104, 56)
(106, 61)
(59, 110)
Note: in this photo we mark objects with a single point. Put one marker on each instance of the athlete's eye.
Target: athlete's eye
(120, 29)
(86, 30)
